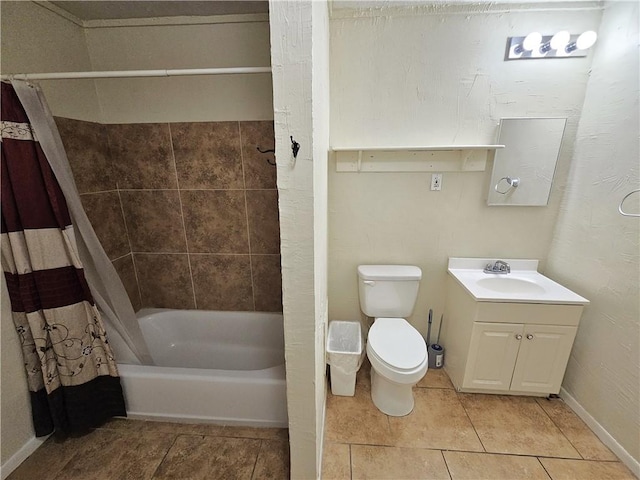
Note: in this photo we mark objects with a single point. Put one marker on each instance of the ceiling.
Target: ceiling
(368, 4)
(109, 10)
(88, 10)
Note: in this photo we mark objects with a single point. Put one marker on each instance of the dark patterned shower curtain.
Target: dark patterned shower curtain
(71, 372)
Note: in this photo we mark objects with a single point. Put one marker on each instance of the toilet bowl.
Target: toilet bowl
(399, 359)
(396, 350)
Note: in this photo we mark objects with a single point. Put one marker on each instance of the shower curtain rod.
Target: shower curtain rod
(137, 73)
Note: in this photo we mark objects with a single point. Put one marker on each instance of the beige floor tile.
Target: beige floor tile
(133, 449)
(336, 462)
(435, 378)
(201, 457)
(397, 463)
(252, 432)
(561, 469)
(517, 425)
(582, 438)
(123, 424)
(355, 420)
(273, 460)
(437, 421)
(48, 460)
(148, 426)
(113, 455)
(363, 377)
(490, 466)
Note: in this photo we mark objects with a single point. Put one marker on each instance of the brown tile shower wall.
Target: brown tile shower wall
(87, 148)
(187, 212)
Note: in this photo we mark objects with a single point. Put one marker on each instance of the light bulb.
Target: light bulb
(560, 40)
(532, 40)
(586, 40)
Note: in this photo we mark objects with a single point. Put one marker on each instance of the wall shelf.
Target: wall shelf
(432, 158)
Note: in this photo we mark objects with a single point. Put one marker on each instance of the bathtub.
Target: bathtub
(212, 367)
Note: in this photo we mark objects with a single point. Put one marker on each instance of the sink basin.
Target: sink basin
(523, 285)
(510, 285)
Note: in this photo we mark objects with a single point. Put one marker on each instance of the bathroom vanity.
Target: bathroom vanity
(507, 333)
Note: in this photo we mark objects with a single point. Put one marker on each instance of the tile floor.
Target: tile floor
(451, 435)
(137, 450)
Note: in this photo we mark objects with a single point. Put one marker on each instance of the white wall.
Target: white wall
(595, 251)
(36, 40)
(183, 99)
(23, 50)
(299, 35)
(321, 118)
(15, 410)
(423, 77)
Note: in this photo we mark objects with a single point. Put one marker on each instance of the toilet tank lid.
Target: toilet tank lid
(389, 272)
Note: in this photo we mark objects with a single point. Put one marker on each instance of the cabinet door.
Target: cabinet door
(543, 357)
(492, 355)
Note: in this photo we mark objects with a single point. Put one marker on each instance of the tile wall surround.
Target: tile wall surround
(187, 212)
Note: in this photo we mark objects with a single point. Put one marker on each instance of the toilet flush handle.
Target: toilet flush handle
(371, 283)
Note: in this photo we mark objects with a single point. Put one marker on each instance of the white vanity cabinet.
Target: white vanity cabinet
(524, 358)
(512, 348)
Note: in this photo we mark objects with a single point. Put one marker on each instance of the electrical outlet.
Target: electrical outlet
(436, 181)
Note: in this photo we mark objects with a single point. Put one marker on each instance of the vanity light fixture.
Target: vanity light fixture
(529, 43)
(561, 45)
(583, 42)
(559, 41)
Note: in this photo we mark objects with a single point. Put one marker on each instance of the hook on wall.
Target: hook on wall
(269, 161)
(295, 147)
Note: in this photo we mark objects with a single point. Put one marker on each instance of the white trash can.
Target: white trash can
(345, 354)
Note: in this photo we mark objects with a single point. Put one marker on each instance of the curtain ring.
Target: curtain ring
(513, 183)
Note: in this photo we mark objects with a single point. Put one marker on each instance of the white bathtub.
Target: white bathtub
(217, 367)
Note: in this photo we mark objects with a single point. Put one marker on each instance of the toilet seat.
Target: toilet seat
(397, 350)
(397, 343)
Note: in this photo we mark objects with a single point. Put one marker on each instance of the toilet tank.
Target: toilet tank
(388, 290)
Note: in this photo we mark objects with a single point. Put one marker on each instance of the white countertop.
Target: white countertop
(523, 285)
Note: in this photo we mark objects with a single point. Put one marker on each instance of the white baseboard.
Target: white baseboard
(601, 433)
(20, 456)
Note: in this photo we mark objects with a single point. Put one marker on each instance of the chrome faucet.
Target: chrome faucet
(499, 266)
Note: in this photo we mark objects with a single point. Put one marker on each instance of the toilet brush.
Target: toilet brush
(429, 327)
(439, 329)
(436, 351)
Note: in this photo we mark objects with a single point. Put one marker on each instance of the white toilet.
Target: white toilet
(396, 350)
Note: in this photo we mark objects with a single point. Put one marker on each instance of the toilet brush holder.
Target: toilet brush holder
(436, 356)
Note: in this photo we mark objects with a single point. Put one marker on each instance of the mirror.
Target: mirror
(523, 170)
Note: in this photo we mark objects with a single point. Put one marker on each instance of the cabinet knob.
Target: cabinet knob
(529, 336)
(518, 336)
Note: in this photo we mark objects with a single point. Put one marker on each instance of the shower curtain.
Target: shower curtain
(71, 371)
